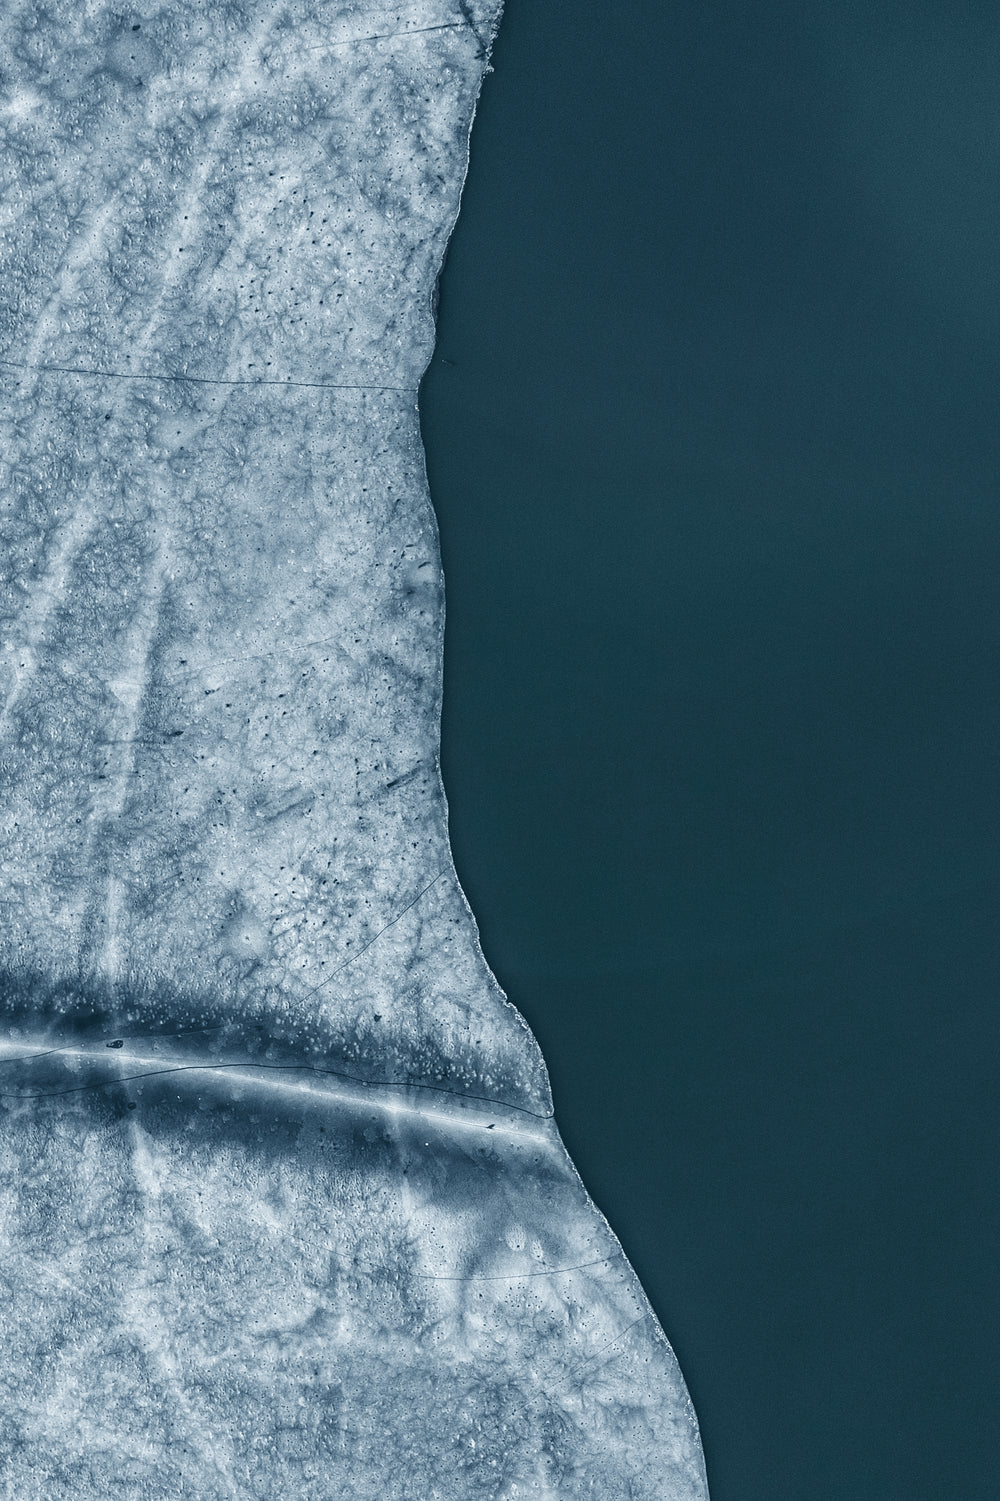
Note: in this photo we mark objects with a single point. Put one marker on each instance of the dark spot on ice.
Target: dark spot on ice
(119, 1042)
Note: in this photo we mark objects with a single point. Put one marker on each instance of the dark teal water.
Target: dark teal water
(713, 437)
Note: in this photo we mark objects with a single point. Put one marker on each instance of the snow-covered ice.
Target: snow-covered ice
(284, 1209)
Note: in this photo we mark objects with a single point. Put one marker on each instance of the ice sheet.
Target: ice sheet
(285, 1211)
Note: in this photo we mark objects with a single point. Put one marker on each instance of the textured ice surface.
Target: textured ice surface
(284, 1212)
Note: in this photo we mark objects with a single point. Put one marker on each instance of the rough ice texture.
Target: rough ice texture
(284, 1211)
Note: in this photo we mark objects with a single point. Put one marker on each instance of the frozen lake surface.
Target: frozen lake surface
(285, 1209)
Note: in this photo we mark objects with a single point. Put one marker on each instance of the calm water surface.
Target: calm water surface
(712, 435)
